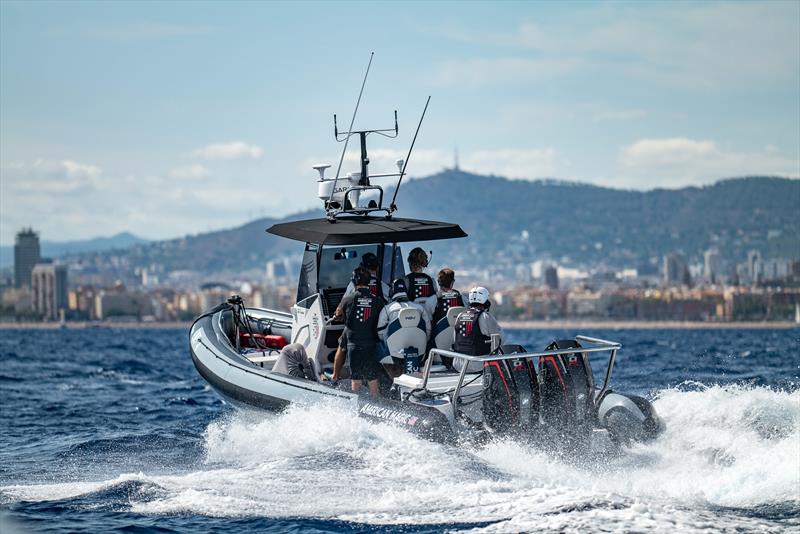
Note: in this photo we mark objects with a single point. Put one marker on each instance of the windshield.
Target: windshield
(337, 264)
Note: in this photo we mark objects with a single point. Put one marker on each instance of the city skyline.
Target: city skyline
(156, 119)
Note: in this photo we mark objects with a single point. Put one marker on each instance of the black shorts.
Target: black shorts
(362, 363)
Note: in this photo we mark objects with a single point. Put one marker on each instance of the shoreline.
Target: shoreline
(561, 324)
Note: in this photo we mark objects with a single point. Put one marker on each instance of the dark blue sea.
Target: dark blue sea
(113, 430)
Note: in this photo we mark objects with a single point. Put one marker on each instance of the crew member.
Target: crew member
(446, 298)
(377, 287)
(421, 287)
(392, 311)
(474, 328)
(361, 328)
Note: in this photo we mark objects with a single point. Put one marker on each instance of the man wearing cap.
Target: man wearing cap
(369, 261)
(361, 330)
(391, 312)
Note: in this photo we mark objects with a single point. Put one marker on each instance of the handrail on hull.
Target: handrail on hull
(598, 345)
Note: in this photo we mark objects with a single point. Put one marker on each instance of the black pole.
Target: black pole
(364, 160)
(392, 206)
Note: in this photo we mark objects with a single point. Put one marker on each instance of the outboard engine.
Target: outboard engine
(510, 394)
(628, 418)
(566, 389)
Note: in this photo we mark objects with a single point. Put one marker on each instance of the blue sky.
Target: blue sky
(171, 118)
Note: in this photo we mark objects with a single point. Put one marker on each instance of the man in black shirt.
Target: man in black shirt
(361, 328)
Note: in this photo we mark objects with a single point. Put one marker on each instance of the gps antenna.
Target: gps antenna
(350, 129)
(393, 206)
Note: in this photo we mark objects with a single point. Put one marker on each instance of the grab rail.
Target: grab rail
(599, 345)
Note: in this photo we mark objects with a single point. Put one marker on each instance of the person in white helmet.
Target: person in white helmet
(475, 326)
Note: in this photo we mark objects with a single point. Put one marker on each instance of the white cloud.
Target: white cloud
(527, 163)
(190, 172)
(678, 162)
(229, 151)
(503, 70)
(48, 176)
(701, 45)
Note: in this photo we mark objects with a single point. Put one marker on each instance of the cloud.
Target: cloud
(190, 172)
(700, 46)
(679, 161)
(47, 176)
(229, 151)
(503, 70)
(527, 163)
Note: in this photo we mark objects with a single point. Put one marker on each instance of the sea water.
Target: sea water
(113, 430)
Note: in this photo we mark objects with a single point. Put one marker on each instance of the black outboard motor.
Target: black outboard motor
(510, 394)
(566, 388)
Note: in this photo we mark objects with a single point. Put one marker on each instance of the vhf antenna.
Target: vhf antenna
(392, 205)
(355, 112)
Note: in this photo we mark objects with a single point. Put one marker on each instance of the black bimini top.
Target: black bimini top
(366, 230)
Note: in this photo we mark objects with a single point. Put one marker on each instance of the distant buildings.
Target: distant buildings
(551, 277)
(676, 270)
(27, 253)
(49, 290)
(711, 266)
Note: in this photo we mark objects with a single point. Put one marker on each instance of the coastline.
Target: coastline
(561, 324)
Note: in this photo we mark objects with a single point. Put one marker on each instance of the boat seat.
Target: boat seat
(263, 359)
(405, 334)
(444, 333)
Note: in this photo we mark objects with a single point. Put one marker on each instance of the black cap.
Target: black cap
(370, 261)
(361, 276)
(399, 286)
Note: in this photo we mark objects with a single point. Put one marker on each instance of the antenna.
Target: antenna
(392, 205)
(336, 131)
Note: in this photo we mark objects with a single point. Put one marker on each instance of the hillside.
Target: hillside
(566, 222)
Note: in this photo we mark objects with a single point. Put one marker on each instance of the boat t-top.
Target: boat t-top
(267, 359)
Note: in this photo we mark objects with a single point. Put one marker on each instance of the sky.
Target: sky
(174, 118)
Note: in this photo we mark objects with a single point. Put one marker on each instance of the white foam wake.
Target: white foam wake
(731, 447)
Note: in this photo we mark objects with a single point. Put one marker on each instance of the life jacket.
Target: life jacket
(446, 299)
(419, 286)
(362, 318)
(469, 338)
(376, 287)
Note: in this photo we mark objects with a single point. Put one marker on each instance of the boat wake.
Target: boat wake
(728, 459)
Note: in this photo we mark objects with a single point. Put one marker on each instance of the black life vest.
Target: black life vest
(362, 318)
(469, 338)
(419, 285)
(376, 287)
(448, 298)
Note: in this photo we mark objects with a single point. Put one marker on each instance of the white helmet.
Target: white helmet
(479, 295)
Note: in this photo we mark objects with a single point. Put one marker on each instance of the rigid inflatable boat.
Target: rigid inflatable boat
(267, 359)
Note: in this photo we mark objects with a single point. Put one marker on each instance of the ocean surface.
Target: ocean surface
(113, 430)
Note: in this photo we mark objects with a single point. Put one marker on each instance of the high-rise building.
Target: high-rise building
(711, 265)
(26, 254)
(49, 283)
(551, 277)
(676, 271)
